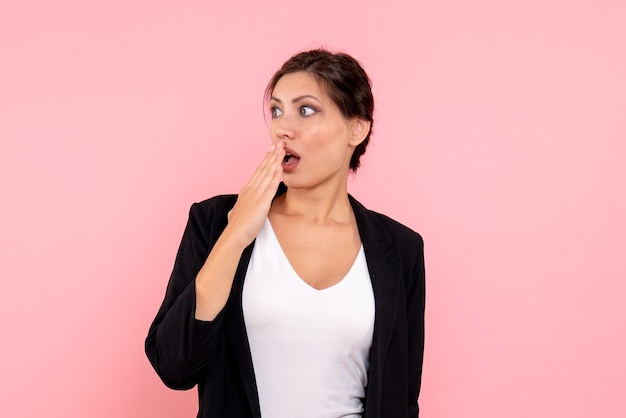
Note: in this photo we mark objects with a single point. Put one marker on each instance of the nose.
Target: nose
(284, 128)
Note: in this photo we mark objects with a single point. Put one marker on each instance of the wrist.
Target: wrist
(230, 240)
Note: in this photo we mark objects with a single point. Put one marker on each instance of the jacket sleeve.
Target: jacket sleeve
(179, 346)
(416, 297)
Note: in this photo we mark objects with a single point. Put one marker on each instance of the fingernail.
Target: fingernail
(272, 148)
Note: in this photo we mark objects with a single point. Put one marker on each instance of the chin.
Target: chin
(294, 182)
(291, 183)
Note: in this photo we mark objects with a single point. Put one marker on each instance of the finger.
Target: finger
(268, 166)
(272, 171)
(268, 187)
(262, 167)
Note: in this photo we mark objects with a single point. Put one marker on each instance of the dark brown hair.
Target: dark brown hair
(345, 81)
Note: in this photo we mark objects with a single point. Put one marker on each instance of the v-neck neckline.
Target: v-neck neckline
(303, 282)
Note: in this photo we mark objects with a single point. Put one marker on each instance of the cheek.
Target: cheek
(317, 132)
(272, 127)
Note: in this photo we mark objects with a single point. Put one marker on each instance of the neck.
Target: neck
(318, 205)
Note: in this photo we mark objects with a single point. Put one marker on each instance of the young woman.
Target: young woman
(291, 299)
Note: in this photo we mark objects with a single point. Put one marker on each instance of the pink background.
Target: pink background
(500, 135)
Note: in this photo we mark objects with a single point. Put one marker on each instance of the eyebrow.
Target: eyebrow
(298, 99)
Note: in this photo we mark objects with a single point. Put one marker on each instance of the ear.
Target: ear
(360, 128)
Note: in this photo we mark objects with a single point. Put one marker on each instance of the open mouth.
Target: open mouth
(290, 161)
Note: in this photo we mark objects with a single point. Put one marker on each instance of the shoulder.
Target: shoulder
(209, 217)
(218, 203)
(395, 228)
(372, 222)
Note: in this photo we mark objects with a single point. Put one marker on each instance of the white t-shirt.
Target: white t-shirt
(310, 348)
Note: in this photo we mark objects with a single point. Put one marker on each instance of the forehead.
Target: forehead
(298, 84)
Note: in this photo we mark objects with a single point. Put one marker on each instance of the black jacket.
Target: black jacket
(216, 356)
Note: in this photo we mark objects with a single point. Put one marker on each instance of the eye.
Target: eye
(276, 112)
(307, 111)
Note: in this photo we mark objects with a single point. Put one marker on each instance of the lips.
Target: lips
(290, 161)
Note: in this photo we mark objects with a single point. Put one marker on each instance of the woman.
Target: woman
(292, 299)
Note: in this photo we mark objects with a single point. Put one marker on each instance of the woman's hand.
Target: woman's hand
(253, 204)
(215, 278)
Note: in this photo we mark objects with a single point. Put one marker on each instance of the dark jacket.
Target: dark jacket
(216, 356)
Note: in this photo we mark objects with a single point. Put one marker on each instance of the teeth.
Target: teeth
(287, 157)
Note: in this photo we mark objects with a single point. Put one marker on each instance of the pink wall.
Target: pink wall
(500, 136)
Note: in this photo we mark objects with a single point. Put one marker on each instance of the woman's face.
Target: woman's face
(319, 140)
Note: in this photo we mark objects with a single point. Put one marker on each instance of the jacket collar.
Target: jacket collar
(384, 267)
